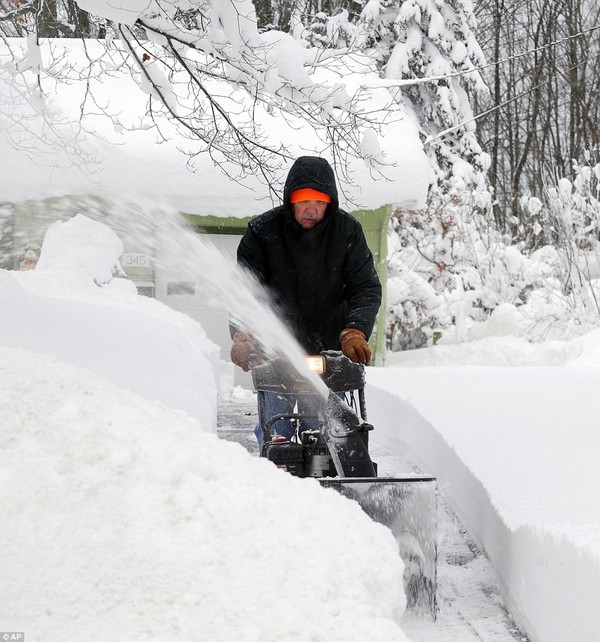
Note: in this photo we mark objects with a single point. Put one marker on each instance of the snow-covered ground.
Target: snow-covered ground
(124, 516)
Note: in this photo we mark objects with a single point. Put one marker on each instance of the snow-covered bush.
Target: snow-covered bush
(436, 268)
(568, 221)
(449, 270)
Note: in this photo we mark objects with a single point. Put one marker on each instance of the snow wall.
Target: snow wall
(551, 585)
(95, 320)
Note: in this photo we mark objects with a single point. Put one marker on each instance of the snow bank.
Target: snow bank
(515, 451)
(95, 258)
(141, 361)
(59, 309)
(123, 519)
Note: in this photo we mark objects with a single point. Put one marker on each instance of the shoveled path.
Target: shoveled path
(471, 607)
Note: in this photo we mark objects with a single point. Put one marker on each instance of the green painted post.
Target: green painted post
(375, 224)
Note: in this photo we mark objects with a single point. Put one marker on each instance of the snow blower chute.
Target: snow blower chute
(337, 453)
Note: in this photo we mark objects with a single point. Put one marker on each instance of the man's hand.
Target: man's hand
(243, 348)
(355, 346)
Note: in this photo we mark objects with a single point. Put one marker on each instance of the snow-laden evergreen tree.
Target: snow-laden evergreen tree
(332, 32)
(432, 42)
(429, 47)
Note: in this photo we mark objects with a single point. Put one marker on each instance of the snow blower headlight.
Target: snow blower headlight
(316, 364)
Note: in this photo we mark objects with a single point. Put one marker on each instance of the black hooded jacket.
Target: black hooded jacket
(322, 279)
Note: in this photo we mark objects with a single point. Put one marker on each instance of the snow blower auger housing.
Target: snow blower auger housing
(337, 453)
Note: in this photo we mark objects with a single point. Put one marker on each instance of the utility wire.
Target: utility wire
(442, 134)
(432, 139)
(536, 49)
(417, 81)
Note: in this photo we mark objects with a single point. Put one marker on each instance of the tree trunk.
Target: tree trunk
(46, 19)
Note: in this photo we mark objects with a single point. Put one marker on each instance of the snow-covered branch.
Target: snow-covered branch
(218, 80)
(29, 119)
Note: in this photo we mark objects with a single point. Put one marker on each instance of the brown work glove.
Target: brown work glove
(244, 349)
(355, 346)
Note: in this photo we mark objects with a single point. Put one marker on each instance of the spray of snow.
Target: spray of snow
(248, 304)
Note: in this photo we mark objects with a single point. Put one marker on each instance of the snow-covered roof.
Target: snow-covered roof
(131, 164)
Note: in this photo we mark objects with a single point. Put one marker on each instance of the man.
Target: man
(314, 260)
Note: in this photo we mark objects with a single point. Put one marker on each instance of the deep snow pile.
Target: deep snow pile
(123, 517)
(59, 309)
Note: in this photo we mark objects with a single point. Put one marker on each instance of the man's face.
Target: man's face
(309, 213)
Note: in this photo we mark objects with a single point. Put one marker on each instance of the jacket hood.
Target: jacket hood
(313, 172)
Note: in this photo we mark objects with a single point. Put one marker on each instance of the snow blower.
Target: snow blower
(337, 453)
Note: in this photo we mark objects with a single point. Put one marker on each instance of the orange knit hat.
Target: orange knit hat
(308, 194)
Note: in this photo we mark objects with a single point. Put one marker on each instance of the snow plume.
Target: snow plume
(85, 252)
(247, 302)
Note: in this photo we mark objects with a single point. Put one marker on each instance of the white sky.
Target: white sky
(132, 517)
